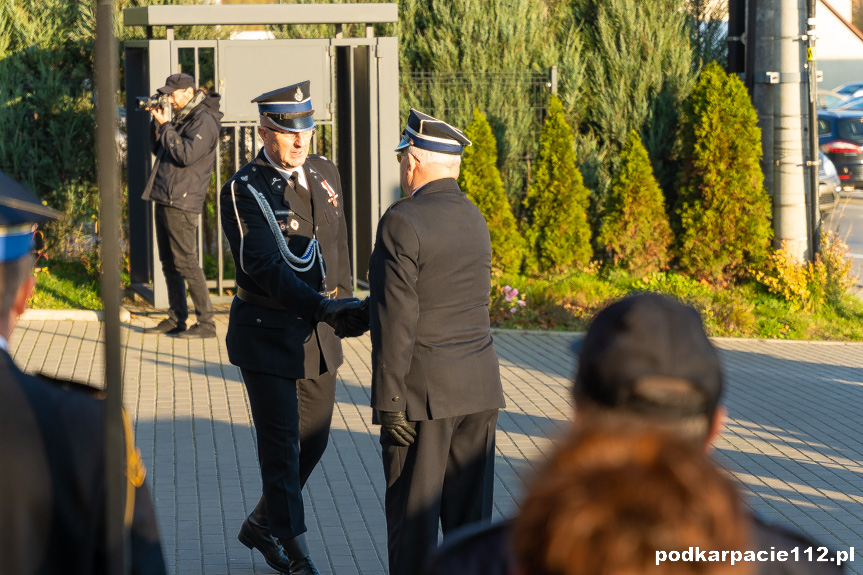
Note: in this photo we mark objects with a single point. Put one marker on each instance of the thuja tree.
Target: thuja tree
(556, 204)
(723, 210)
(635, 233)
(639, 70)
(480, 180)
(478, 53)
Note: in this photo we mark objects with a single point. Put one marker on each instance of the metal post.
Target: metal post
(353, 112)
(107, 84)
(814, 160)
(789, 199)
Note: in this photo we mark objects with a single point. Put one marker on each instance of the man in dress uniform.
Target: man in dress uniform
(52, 476)
(284, 218)
(435, 379)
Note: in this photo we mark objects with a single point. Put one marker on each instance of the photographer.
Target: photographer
(185, 149)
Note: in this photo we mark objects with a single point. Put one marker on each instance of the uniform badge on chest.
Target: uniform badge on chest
(295, 225)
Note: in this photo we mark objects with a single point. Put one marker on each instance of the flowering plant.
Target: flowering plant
(510, 296)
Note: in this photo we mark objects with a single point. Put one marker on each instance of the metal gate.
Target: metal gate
(354, 85)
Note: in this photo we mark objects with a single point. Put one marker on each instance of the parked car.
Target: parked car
(840, 136)
(852, 103)
(829, 99)
(828, 184)
(849, 89)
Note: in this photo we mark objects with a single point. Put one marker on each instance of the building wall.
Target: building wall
(839, 50)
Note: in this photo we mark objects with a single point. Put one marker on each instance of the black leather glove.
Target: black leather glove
(354, 322)
(395, 423)
(330, 311)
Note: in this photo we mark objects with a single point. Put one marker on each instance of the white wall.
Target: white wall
(838, 49)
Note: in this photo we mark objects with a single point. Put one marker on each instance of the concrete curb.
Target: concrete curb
(70, 315)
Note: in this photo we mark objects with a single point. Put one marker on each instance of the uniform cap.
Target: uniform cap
(177, 82)
(288, 108)
(644, 340)
(423, 131)
(20, 210)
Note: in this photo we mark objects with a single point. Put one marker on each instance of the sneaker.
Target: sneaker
(198, 330)
(166, 326)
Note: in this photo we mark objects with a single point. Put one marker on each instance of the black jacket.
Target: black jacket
(486, 550)
(52, 483)
(185, 157)
(429, 278)
(285, 341)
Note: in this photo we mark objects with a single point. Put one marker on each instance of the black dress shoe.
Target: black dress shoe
(166, 326)
(198, 330)
(255, 536)
(303, 566)
(298, 552)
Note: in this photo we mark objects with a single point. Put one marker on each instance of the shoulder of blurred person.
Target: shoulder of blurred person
(53, 484)
(478, 549)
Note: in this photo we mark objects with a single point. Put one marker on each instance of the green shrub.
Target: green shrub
(809, 285)
(558, 232)
(46, 108)
(723, 211)
(635, 233)
(481, 181)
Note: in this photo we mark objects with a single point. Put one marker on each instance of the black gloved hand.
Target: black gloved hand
(395, 423)
(330, 311)
(354, 322)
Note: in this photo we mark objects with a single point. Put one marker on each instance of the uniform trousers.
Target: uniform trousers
(292, 422)
(177, 239)
(446, 476)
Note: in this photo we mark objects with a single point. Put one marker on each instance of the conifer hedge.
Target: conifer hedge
(558, 231)
(723, 210)
(635, 232)
(481, 181)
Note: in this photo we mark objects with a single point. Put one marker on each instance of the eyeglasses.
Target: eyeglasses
(399, 156)
(303, 137)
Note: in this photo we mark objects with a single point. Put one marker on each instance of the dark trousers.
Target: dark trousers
(177, 238)
(446, 476)
(292, 422)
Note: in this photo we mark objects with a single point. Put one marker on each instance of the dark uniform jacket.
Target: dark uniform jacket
(487, 550)
(429, 277)
(185, 157)
(285, 341)
(52, 483)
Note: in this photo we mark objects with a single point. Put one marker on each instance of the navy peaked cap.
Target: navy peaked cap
(20, 209)
(423, 131)
(288, 108)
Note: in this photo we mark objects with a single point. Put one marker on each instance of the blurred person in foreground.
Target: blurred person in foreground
(619, 500)
(52, 476)
(185, 149)
(284, 218)
(436, 385)
(645, 360)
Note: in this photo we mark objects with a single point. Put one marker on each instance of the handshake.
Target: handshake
(349, 316)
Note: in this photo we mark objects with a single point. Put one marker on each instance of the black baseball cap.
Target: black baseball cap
(647, 340)
(177, 82)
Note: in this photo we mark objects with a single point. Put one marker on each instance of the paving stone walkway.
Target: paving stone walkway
(793, 438)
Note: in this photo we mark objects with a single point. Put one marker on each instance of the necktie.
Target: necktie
(302, 192)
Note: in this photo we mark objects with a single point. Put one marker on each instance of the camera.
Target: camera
(157, 100)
